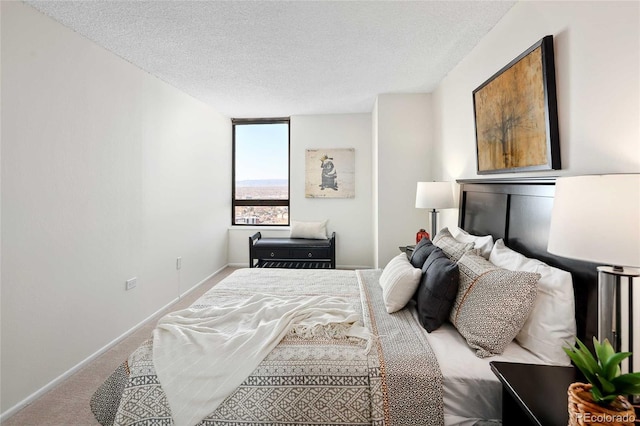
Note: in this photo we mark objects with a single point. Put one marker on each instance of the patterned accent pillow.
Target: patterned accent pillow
(421, 252)
(453, 248)
(437, 290)
(399, 280)
(492, 304)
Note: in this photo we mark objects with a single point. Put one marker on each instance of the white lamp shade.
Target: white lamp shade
(434, 195)
(597, 219)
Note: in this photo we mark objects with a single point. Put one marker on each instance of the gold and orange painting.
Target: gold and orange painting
(516, 115)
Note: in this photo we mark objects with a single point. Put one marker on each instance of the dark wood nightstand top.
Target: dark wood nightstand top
(407, 249)
(540, 390)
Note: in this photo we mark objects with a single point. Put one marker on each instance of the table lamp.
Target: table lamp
(597, 219)
(434, 195)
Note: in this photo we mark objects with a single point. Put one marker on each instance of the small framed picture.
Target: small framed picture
(329, 173)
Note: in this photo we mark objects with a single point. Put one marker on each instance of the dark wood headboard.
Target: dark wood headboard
(519, 212)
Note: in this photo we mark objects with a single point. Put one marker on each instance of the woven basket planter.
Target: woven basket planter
(584, 412)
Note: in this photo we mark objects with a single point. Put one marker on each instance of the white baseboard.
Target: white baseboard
(352, 267)
(195, 286)
(37, 394)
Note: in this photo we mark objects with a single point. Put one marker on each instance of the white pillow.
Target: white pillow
(399, 281)
(551, 323)
(309, 230)
(484, 243)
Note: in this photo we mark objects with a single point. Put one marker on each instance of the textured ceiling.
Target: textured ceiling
(281, 58)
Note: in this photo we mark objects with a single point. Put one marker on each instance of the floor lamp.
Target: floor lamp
(597, 219)
(434, 195)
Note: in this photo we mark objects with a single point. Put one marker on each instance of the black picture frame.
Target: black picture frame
(516, 115)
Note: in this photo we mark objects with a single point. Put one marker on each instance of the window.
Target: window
(260, 172)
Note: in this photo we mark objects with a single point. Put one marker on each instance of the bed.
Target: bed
(394, 373)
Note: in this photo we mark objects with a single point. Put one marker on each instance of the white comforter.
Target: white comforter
(211, 351)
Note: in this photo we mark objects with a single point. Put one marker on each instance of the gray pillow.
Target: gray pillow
(437, 290)
(492, 304)
(453, 248)
(421, 252)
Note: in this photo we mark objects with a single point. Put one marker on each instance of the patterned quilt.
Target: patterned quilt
(393, 379)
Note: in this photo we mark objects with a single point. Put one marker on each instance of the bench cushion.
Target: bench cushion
(291, 242)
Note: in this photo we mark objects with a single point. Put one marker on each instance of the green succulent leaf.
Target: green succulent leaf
(575, 358)
(611, 365)
(581, 364)
(628, 390)
(627, 384)
(631, 378)
(604, 350)
(585, 361)
(607, 386)
(589, 359)
(607, 399)
(598, 348)
(596, 394)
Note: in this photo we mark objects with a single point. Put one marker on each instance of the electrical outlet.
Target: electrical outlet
(179, 263)
(131, 283)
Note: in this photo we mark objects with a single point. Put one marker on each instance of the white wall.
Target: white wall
(597, 56)
(107, 174)
(403, 158)
(597, 47)
(350, 218)
(374, 178)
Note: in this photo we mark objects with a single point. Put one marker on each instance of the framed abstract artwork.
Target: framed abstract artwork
(516, 115)
(329, 173)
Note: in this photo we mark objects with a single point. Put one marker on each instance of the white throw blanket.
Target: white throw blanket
(202, 355)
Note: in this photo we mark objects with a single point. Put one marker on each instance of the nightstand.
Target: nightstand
(534, 394)
(408, 250)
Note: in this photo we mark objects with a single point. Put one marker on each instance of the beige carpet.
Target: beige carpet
(68, 403)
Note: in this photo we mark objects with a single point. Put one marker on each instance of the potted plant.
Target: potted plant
(603, 400)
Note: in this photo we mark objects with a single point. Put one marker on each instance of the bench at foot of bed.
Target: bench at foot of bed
(294, 253)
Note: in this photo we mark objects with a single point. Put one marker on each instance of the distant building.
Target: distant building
(248, 220)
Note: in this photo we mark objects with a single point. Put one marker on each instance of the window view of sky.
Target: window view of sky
(262, 151)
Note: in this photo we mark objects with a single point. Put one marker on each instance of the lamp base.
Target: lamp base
(610, 309)
(434, 223)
